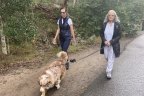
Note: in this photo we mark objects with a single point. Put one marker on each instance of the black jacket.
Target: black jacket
(115, 39)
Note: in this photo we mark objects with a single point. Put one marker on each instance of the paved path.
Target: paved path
(127, 77)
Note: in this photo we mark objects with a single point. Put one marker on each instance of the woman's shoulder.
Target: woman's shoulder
(117, 23)
(104, 24)
(69, 18)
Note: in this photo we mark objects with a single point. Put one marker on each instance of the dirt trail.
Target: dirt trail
(23, 82)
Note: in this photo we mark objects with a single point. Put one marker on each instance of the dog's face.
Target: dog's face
(45, 82)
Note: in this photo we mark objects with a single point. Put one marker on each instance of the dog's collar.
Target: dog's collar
(62, 61)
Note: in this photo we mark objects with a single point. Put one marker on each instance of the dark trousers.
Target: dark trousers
(65, 42)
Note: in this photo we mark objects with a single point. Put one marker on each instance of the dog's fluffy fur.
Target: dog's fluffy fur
(53, 75)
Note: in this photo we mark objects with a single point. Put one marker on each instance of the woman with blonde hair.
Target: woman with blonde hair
(110, 35)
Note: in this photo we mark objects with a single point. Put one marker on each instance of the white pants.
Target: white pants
(110, 57)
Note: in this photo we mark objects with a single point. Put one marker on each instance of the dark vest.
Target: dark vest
(64, 28)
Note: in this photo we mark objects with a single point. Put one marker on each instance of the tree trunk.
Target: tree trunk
(56, 1)
(74, 2)
(65, 3)
(3, 40)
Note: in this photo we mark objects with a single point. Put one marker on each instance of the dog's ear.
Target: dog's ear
(40, 78)
(49, 82)
(39, 81)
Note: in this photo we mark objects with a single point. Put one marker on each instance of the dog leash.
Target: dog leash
(74, 60)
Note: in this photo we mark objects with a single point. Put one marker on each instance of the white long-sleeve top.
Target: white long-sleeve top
(109, 30)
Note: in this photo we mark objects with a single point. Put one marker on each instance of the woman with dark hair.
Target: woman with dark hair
(65, 31)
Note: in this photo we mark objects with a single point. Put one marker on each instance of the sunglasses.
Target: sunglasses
(63, 12)
(111, 15)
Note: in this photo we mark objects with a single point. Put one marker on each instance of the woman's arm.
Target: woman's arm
(57, 32)
(102, 33)
(72, 32)
(56, 35)
(116, 39)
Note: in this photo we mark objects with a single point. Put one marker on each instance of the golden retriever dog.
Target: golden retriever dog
(54, 74)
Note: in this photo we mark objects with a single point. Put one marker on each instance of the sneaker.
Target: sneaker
(72, 60)
(67, 65)
(108, 75)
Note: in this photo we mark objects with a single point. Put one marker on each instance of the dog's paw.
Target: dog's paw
(43, 94)
(58, 86)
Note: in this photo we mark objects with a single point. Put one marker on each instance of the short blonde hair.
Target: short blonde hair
(116, 17)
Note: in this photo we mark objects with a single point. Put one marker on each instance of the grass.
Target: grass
(18, 53)
(28, 52)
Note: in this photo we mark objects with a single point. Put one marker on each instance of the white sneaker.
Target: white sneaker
(109, 75)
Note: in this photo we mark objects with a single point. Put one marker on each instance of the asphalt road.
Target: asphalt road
(127, 77)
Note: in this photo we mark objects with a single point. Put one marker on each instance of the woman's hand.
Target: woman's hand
(74, 42)
(54, 41)
(107, 43)
(57, 33)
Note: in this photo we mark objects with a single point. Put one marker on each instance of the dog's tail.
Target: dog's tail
(61, 54)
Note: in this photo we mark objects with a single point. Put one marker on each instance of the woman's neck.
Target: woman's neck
(64, 17)
(110, 23)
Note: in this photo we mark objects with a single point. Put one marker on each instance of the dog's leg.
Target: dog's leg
(62, 74)
(43, 94)
(58, 84)
(43, 91)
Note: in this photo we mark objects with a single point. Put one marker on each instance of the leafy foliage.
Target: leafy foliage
(89, 15)
(20, 28)
(18, 22)
(21, 20)
(87, 18)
